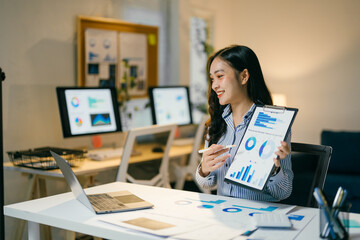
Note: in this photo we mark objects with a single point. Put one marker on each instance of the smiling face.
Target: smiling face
(229, 85)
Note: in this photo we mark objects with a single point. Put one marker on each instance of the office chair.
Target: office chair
(182, 172)
(161, 178)
(309, 164)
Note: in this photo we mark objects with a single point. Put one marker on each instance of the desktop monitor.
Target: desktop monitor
(170, 104)
(88, 110)
(135, 113)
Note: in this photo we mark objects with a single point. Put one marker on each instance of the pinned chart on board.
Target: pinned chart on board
(253, 162)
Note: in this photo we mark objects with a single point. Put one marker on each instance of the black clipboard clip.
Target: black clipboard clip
(274, 109)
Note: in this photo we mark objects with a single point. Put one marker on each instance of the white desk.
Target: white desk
(86, 172)
(89, 168)
(64, 211)
(312, 230)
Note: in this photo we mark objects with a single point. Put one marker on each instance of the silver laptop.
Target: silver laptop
(103, 202)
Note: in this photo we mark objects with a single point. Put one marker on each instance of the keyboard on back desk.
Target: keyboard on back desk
(105, 154)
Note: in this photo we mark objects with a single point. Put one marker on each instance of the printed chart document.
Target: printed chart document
(253, 162)
(196, 216)
(156, 224)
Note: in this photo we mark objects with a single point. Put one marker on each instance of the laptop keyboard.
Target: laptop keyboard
(105, 202)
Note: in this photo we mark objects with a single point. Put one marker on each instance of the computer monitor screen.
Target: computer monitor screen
(136, 113)
(170, 104)
(88, 110)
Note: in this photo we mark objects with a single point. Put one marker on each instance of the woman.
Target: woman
(236, 83)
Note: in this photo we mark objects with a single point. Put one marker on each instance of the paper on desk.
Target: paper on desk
(231, 214)
(156, 224)
(175, 227)
(215, 208)
(300, 219)
(211, 232)
(198, 206)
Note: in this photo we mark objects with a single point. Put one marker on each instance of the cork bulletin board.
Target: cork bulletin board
(116, 53)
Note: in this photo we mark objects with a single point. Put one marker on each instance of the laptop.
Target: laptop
(100, 203)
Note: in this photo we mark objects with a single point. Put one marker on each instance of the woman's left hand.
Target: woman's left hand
(282, 152)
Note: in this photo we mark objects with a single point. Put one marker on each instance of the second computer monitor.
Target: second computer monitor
(170, 104)
(88, 110)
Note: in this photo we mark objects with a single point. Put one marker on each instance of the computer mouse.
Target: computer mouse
(158, 149)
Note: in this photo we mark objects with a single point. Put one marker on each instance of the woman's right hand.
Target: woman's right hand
(211, 160)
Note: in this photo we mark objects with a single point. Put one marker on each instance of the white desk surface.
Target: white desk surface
(312, 230)
(64, 211)
(90, 166)
(86, 171)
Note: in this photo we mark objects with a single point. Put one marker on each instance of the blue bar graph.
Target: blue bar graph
(246, 173)
(239, 173)
(250, 176)
(263, 120)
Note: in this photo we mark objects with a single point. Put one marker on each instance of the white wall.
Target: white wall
(309, 51)
(38, 53)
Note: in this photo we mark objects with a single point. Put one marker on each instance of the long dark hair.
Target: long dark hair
(240, 58)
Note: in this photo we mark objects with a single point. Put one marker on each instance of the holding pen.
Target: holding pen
(213, 158)
(207, 149)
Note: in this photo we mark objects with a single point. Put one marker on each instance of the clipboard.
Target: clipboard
(253, 162)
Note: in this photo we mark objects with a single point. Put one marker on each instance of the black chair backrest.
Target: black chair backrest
(310, 164)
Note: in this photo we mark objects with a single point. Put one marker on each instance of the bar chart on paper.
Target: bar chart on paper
(263, 120)
(244, 175)
(274, 123)
(253, 161)
(250, 173)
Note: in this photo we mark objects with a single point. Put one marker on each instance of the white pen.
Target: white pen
(225, 147)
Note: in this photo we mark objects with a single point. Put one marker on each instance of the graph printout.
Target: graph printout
(253, 162)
